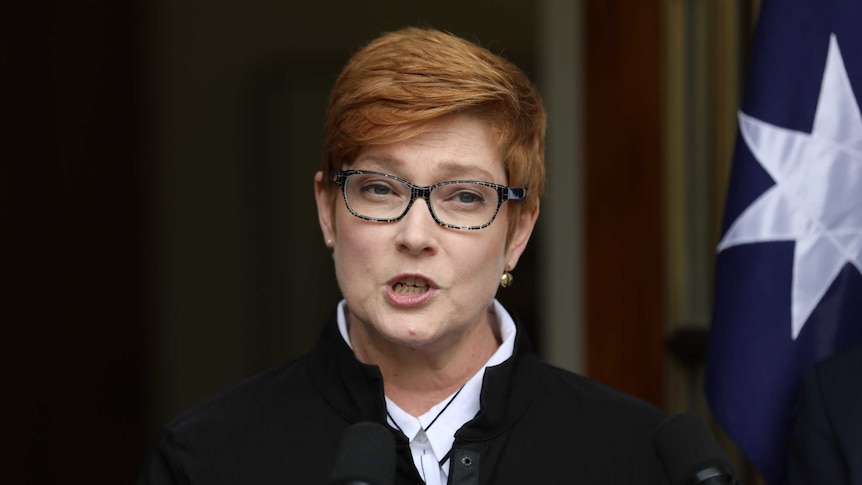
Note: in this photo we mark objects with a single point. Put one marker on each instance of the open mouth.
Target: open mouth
(410, 286)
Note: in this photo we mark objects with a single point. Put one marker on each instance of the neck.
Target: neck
(418, 378)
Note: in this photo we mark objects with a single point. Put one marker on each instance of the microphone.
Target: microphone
(690, 453)
(366, 456)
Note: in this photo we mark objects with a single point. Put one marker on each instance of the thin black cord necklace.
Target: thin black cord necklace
(448, 453)
(443, 410)
(425, 429)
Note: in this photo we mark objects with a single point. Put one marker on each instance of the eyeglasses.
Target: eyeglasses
(456, 204)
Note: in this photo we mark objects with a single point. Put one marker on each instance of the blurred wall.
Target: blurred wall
(72, 234)
(157, 186)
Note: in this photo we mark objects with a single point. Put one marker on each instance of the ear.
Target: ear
(519, 239)
(325, 213)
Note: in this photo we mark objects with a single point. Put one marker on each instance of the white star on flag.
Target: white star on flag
(817, 197)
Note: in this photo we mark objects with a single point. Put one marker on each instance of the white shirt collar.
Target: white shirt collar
(507, 331)
(462, 409)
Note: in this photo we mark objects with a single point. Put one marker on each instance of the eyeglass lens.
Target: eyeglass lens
(465, 204)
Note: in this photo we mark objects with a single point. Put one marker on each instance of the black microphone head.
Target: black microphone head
(690, 453)
(366, 456)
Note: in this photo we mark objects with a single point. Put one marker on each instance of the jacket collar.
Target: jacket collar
(355, 390)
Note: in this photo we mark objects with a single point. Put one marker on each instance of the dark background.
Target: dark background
(158, 234)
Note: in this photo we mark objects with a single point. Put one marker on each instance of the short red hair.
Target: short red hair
(391, 88)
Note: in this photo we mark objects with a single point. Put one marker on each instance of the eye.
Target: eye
(467, 197)
(375, 188)
(463, 196)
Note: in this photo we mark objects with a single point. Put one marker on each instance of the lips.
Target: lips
(410, 291)
(411, 285)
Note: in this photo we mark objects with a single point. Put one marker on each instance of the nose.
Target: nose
(417, 229)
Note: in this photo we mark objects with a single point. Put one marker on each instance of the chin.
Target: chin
(410, 337)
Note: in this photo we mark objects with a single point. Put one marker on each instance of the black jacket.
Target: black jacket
(826, 441)
(538, 425)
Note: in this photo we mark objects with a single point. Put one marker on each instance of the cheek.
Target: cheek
(353, 271)
(358, 250)
(484, 265)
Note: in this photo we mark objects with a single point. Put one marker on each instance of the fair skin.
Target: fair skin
(429, 342)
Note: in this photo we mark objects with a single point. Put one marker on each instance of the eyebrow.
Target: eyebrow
(448, 170)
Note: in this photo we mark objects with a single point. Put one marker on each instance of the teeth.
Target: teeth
(411, 286)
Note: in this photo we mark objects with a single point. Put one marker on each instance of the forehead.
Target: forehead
(453, 147)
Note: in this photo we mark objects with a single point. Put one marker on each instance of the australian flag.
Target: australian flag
(788, 283)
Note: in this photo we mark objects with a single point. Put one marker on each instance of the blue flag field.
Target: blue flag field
(788, 282)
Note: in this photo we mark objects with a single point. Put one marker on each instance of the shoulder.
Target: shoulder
(239, 405)
(245, 433)
(197, 444)
(604, 434)
(580, 395)
(841, 367)
(833, 384)
(826, 436)
(834, 381)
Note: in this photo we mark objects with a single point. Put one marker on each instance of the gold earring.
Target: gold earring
(507, 279)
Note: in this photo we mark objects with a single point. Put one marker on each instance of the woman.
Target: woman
(429, 191)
